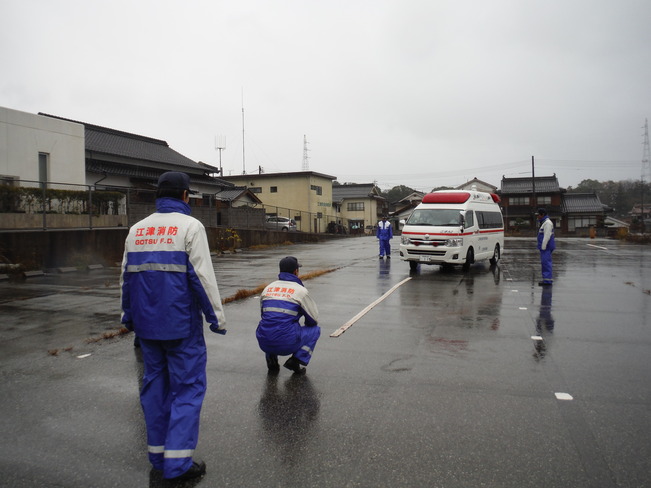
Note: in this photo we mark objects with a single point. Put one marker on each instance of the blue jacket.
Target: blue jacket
(168, 280)
(282, 304)
(546, 241)
(384, 230)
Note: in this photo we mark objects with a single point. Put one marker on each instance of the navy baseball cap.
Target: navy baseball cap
(289, 264)
(175, 180)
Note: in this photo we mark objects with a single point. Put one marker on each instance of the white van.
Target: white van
(453, 227)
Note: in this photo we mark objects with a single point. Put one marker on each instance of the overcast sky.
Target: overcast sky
(423, 93)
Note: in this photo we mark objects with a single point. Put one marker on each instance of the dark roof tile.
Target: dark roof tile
(586, 203)
(544, 184)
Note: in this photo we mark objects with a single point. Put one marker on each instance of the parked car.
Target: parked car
(280, 223)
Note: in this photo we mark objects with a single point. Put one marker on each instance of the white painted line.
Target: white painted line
(563, 396)
(598, 247)
(83, 356)
(514, 291)
(537, 338)
(350, 323)
(522, 308)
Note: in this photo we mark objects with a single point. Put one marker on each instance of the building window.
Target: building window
(544, 200)
(273, 189)
(574, 223)
(355, 206)
(518, 200)
(318, 189)
(43, 167)
(256, 189)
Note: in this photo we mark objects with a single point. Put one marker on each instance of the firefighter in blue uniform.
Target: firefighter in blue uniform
(279, 332)
(384, 233)
(546, 246)
(168, 286)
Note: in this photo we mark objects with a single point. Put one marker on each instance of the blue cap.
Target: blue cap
(289, 264)
(175, 180)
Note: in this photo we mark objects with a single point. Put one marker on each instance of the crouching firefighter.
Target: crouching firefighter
(279, 332)
(168, 286)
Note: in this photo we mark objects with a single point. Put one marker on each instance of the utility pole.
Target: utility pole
(220, 145)
(306, 162)
(645, 167)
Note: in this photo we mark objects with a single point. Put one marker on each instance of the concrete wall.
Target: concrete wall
(23, 136)
(38, 250)
(59, 221)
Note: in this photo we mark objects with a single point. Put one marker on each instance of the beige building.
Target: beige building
(304, 196)
(360, 206)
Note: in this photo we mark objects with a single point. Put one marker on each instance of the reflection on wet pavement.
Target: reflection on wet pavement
(288, 411)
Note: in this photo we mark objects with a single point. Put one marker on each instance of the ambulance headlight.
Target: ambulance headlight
(404, 240)
(456, 242)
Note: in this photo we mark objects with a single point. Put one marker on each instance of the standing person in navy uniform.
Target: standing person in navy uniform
(279, 332)
(384, 234)
(168, 287)
(546, 246)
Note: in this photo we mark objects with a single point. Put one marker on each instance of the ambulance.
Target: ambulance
(453, 227)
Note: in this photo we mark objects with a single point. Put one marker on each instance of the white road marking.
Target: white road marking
(522, 308)
(598, 247)
(537, 338)
(350, 323)
(563, 396)
(83, 356)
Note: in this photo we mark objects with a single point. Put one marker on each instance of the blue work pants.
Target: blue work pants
(546, 264)
(174, 385)
(385, 247)
(301, 350)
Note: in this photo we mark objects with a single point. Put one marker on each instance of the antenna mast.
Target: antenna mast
(220, 145)
(645, 152)
(645, 168)
(306, 162)
(243, 164)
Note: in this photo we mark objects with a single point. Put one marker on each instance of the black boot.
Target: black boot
(295, 365)
(272, 363)
(197, 470)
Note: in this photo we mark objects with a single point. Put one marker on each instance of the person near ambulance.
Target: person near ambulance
(384, 233)
(168, 287)
(546, 246)
(279, 332)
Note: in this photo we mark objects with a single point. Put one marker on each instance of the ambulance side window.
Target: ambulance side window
(470, 219)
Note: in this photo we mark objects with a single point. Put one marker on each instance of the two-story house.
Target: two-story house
(521, 197)
(303, 196)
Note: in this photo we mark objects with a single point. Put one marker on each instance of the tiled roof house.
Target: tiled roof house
(117, 158)
(582, 211)
(519, 204)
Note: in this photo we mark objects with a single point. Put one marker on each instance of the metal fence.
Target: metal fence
(35, 205)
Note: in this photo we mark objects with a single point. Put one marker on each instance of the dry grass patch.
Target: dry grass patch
(243, 293)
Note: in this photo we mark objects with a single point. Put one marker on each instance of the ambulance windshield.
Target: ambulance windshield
(440, 217)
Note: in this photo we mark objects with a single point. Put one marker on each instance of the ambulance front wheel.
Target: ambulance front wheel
(470, 258)
(496, 255)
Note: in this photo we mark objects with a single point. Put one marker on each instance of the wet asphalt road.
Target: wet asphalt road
(441, 384)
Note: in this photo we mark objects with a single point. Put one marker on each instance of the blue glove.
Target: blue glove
(217, 329)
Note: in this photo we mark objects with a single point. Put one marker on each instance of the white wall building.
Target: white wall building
(37, 148)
